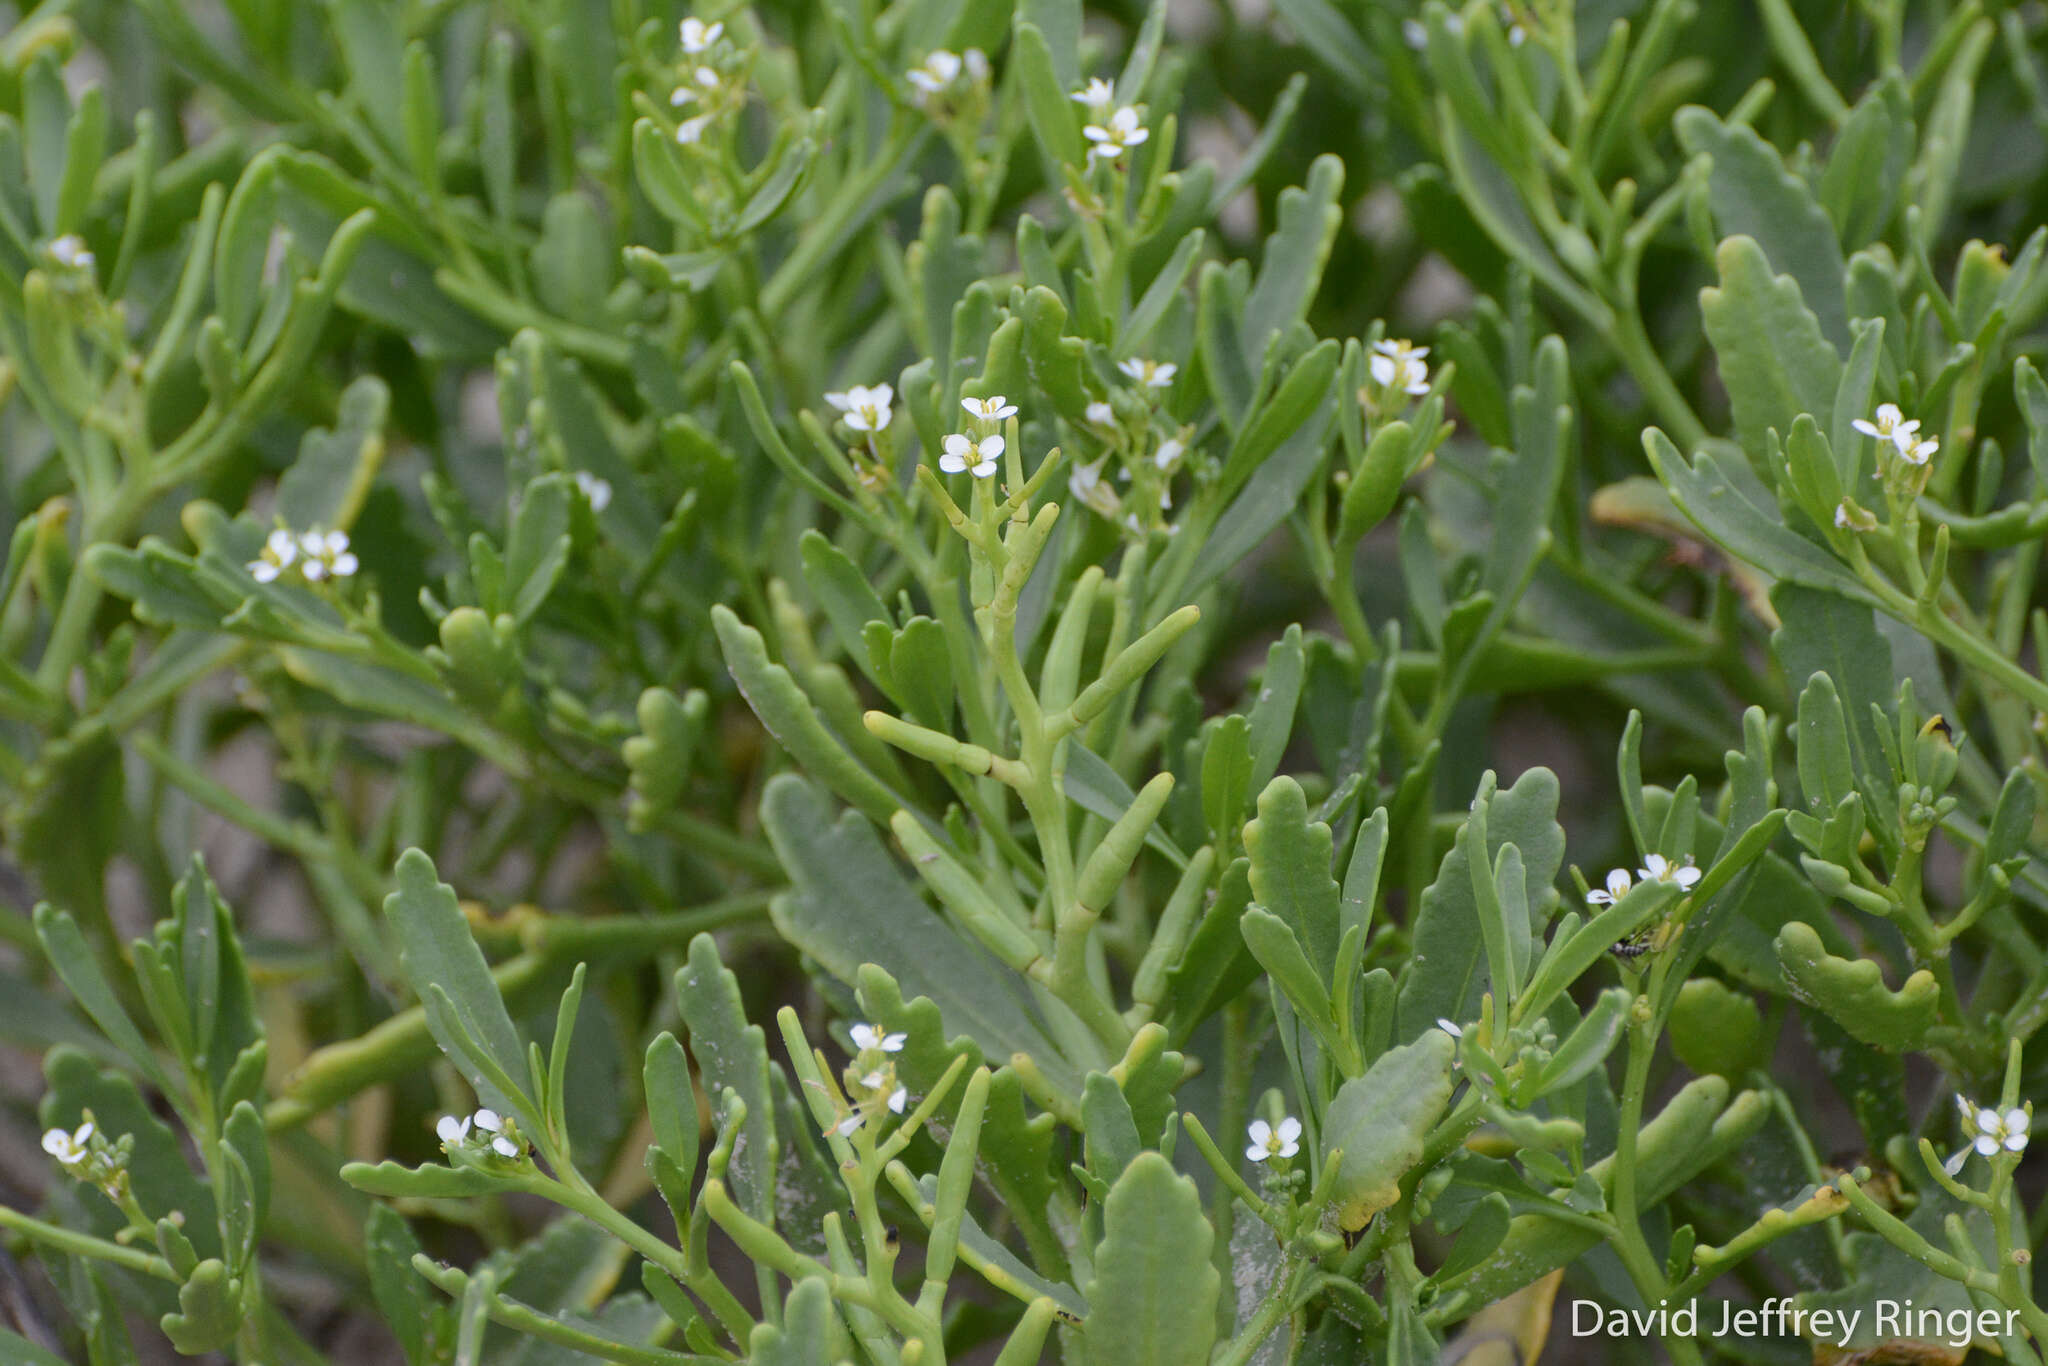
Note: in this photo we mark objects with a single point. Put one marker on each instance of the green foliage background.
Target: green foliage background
(670, 724)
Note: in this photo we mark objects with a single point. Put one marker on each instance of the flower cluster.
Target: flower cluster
(1396, 373)
(70, 252)
(86, 1155)
(1901, 433)
(1111, 130)
(704, 86)
(1656, 868)
(1270, 1141)
(1990, 1132)
(1143, 462)
(870, 1078)
(314, 556)
(504, 1138)
(1116, 135)
(941, 72)
(976, 453)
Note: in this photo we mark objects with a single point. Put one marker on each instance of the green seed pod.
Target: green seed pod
(1113, 857)
(1372, 491)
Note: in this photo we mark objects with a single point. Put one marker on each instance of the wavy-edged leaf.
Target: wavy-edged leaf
(733, 1056)
(1152, 1299)
(1853, 993)
(1775, 360)
(1379, 1122)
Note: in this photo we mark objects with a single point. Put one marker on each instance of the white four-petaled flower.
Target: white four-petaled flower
(1101, 414)
(280, 552)
(503, 1142)
(964, 453)
(71, 252)
(1891, 425)
(2007, 1131)
(867, 406)
(1150, 373)
(1989, 1132)
(1657, 868)
(69, 1148)
(994, 408)
(1117, 134)
(596, 490)
(938, 70)
(325, 554)
(1618, 883)
(1269, 1141)
(1395, 364)
(867, 1036)
(1099, 95)
(452, 1130)
(699, 36)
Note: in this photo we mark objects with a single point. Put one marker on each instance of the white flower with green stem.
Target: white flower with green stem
(461, 1132)
(964, 454)
(1152, 374)
(1657, 868)
(699, 37)
(1396, 365)
(1617, 886)
(1115, 135)
(70, 252)
(866, 407)
(315, 556)
(69, 1148)
(1268, 1141)
(1990, 1132)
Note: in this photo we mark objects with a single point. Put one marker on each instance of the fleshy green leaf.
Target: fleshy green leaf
(1379, 1122)
(326, 485)
(1152, 1299)
(1715, 1029)
(1853, 993)
(1754, 196)
(1776, 362)
(436, 950)
(733, 1056)
(1447, 974)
